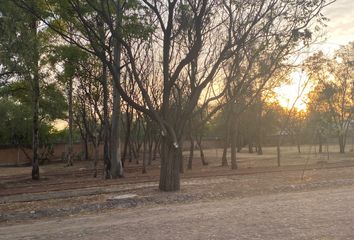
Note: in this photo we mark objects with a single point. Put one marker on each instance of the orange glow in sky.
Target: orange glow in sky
(295, 93)
(339, 31)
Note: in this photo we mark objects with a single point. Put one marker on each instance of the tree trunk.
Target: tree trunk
(151, 142)
(127, 134)
(259, 149)
(83, 134)
(320, 143)
(70, 110)
(341, 140)
(170, 166)
(259, 127)
(35, 105)
(136, 150)
(240, 142)
(233, 150)
(95, 161)
(131, 151)
(191, 153)
(86, 148)
(144, 157)
(202, 156)
(298, 143)
(156, 148)
(227, 136)
(181, 160)
(278, 151)
(224, 162)
(35, 130)
(116, 169)
(106, 126)
(250, 147)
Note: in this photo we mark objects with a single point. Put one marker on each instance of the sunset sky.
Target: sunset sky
(339, 31)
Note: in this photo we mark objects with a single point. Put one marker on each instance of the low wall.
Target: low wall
(17, 156)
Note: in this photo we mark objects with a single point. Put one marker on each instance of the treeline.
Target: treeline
(167, 68)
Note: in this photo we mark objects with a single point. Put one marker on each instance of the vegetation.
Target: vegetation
(146, 76)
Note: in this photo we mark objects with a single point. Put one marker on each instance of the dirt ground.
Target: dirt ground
(309, 197)
(320, 214)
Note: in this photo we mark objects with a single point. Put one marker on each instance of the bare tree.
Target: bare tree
(334, 90)
(203, 35)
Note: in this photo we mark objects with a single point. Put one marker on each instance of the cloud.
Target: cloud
(340, 28)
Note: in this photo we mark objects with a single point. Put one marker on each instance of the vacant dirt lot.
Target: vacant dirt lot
(320, 214)
(306, 198)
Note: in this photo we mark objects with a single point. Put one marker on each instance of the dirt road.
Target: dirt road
(318, 214)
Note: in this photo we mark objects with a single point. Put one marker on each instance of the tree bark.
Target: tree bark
(116, 169)
(227, 139)
(278, 151)
(131, 151)
(156, 148)
(191, 153)
(250, 147)
(86, 157)
(35, 105)
(341, 140)
(202, 156)
(233, 149)
(170, 166)
(95, 161)
(259, 127)
(106, 126)
(70, 110)
(240, 142)
(35, 130)
(127, 134)
(151, 143)
(224, 162)
(181, 160)
(298, 143)
(259, 149)
(320, 142)
(144, 157)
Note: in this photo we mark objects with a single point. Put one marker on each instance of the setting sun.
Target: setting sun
(295, 93)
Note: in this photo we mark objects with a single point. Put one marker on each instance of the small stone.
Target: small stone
(32, 212)
(124, 196)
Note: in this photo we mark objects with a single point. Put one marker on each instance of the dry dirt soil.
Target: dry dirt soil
(300, 200)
